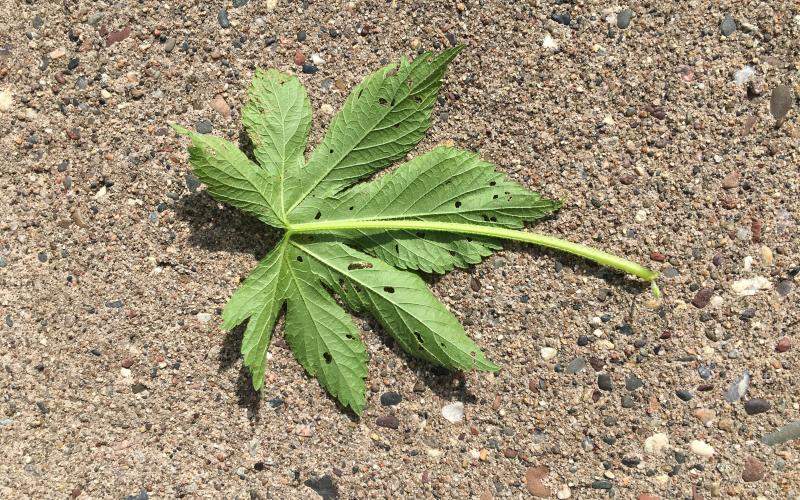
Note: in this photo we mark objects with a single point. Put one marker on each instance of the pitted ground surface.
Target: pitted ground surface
(111, 259)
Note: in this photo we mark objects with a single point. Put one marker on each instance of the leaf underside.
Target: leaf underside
(368, 271)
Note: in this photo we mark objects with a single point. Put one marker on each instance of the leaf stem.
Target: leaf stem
(587, 252)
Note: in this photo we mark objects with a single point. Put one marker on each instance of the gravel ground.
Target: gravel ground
(116, 380)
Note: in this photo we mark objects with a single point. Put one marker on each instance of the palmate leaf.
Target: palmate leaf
(441, 210)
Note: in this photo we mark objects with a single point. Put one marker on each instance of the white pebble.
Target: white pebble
(748, 263)
(5, 100)
(454, 412)
(326, 109)
(656, 444)
(548, 353)
(549, 43)
(317, 60)
(125, 372)
(701, 448)
(596, 321)
(716, 301)
(203, 317)
(641, 215)
(563, 492)
(744, 75)
(751, 286)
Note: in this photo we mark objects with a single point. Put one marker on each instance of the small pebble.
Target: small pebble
(738, 388)
(309, 69)
(756, 405)
(203, 127)
(388, 421)
(633, 383)
(780, 103)
(783, 345)
(728, 25)
(575, 366)
(301, 36)
(548, 353)
(391, 398)
(169, 45)
(683, 395)
(656, 444)
(454, 412)
(701, 448)
(222, 19)
(754, 469)
(219, 105)
(604, 382)
(624, 18)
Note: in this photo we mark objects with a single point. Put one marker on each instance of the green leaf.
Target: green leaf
(277, 118)
(260, 299)
(383, 118)
(231, 178)
(443, 209)
(399, 300)
(447, 185)
(321, 335)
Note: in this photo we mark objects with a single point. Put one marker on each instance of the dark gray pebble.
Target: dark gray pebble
(192, 183)
(683, 394)
(3, 262)
(169, 45)
(602, 485)
(42, 257)
(239, 3)
(309, 69)
(583, 340)
(324, 487)
(73, 63)
(783, 288)
(203, 127)
(142, 495)
(604, 382)
(756, 405)
(115, 304)
(610, 421)
(631, 461)
(561, 18)
(633, 383)
(628, 402)
(222, 19)
(301, 36)
(390, 398)
(728, 25)
(624, 18)
(575, 366)
(37, 22)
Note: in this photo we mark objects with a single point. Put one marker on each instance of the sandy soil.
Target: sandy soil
(116, 380)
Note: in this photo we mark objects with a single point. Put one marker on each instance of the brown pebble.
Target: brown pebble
(127, 362)
(754, 469)
(533, 481)
(755, 228)
(299, 57)
(784, 344)
(388, 421)
(627, 179)
(702, 297)
(117, 36)
(219, 105)
(658, 256)
(509, 453)
(728, 202)
(76, 492)
(646, 496)
(475, 284)
(731, 180)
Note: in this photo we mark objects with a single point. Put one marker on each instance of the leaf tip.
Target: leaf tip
(180, 130)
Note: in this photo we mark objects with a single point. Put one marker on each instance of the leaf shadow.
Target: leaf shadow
(229, 354)
(219, 228)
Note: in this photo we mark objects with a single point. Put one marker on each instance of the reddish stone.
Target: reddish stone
(533, 481)
(755, 228)
(118, 36)
(754, 470)
(299, 57)
(127, 362)
(784, 344)
(702, 297)
(658, 256)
